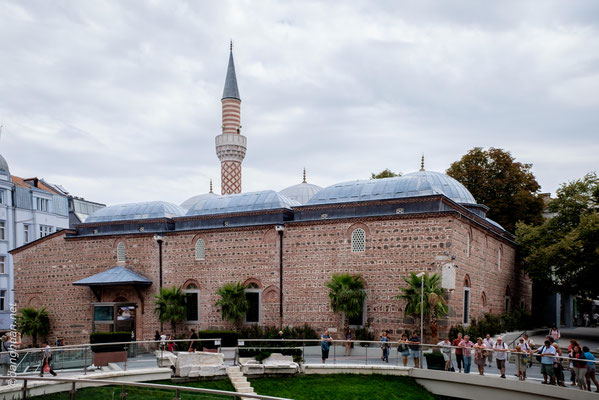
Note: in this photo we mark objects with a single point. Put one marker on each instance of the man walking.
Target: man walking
(547, 353)
(47, 359)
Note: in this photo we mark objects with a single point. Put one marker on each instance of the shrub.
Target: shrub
(364, 334)
(109, 337)
(494, 324)
(227, 338)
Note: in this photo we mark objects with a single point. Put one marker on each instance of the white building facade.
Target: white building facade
(28, 211)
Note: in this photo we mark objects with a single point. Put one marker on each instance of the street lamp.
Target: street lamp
(421, 276)
(280, 229)
(159, 239)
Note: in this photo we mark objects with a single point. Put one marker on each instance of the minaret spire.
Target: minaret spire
(422, 163)
(231, 145)
(304, 181)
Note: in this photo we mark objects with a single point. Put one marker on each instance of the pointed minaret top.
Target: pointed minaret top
(304, 181)
(422, 163)
(231, 91)
(210, 186)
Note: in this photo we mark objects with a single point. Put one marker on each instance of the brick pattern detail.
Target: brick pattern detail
(231, 110)
(312, 252)
(230, 177)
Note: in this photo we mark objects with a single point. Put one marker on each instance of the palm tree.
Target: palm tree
(347, 295)
(33, 322)
(233, 303)
(435, 306)
(170, 306)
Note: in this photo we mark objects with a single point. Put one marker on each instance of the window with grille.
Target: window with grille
(200, 249)
(45, 230)
(120, 252)
(358, 240)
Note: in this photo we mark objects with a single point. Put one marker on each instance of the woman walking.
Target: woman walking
(580, 366)
(479, 355)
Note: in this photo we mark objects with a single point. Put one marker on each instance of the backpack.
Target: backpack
(540, 352)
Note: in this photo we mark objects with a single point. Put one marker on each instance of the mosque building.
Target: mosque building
(284, 246)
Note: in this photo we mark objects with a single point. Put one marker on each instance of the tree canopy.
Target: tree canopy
(34, 322)
(233, 302)
(562, 254)
(170, 306)
(386, 173)
(506, 186)
(347, 294)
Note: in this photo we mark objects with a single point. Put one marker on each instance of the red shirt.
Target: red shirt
(456, 343)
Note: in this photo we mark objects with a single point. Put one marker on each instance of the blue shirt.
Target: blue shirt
(547, 349)
(324, 344)
(589, 356)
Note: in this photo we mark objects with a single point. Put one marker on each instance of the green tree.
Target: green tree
(386, 173)
(507, 187)
(233, 303)
(347, 295)
(562, 254)
(170, 306)
(34, 323)
(435, 306)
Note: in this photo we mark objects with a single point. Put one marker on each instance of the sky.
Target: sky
(119, 101)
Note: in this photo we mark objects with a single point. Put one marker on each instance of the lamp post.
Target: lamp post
(159, 239)
(280, 229)
(421, 276)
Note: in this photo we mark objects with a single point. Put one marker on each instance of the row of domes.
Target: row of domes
(420, 183)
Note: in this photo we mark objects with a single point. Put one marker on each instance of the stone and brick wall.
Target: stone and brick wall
(313, 251)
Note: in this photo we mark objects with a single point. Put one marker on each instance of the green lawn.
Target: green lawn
(304, 387)
(342, 387)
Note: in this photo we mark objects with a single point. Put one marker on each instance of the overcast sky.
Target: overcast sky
(119, 101)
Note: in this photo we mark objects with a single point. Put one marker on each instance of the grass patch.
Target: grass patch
(134, 393)
(302, 387)
(342, 387)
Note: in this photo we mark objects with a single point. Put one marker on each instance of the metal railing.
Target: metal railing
(123, 395)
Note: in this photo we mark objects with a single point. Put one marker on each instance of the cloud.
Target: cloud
(120, 101)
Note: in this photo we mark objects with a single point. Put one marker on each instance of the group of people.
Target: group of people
(167, 343)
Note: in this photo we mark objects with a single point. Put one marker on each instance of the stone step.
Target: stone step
(233, 368)
(241, 379)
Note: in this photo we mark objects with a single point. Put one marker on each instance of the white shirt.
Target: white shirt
(488, 343)
(500, 355)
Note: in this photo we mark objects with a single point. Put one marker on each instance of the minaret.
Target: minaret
(231, 144)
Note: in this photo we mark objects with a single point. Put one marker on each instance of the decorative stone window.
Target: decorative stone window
(468, 243)
(499, 259)
(483, 300)
(466, 319)
(120, 252)
(358, 240)
(200, 249)
(192, 303)
(254, 297)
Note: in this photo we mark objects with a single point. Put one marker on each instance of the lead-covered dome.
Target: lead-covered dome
(4, 165)
(242, 202)
(302, 192)
(187, 204)
(420, 183)
(135, 211)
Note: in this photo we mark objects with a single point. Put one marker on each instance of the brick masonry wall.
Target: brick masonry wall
(312, 253)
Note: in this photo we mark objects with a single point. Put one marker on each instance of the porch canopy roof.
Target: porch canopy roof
(114, 276)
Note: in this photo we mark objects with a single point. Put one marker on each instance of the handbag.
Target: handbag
(46, 367)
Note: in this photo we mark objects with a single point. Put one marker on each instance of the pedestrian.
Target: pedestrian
(171, 345)
(445, 346)
(385, 346)
(500, 349)
(404, 349)
(466, 346)
(587, 319)
(325, 344)
(479, 355)
(529, 341)
(580, 366)
(5, 357)
(157, 336)
(47, 359)
(348, 342)
(488, 342)
(554, 333)
(573, 343)
(547, 353)
(523, 357)
(193, 345)
(590, 374)
(558, 368)
(459, 356)
(414, 342)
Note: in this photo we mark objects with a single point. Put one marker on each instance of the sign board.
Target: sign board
(217, 342)
(240, 343)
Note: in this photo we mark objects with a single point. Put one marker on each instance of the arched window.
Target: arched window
(483, 300)
(358, 240)
(120, 252)
(200, 249)
(253, 294)
(192, 303)
(466, 319)
(508, 299)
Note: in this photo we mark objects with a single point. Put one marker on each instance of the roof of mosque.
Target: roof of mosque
(187, 204)
(242, 202)
(302, 192)
(135, 211)
(231, 91)
(114, 276)
(419, 183)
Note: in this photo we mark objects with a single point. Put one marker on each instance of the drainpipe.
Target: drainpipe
(159, 239)
(280, 229)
